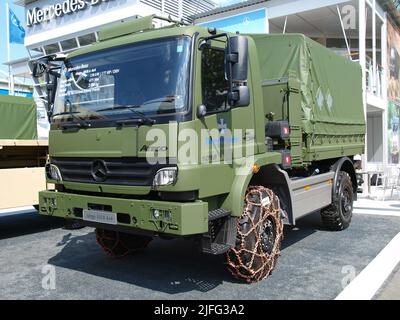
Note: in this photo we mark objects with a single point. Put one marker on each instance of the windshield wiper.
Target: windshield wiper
(81, 122)
(142, 120)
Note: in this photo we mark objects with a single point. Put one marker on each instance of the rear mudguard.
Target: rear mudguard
(344, 164)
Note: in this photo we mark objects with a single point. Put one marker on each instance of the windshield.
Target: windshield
(148, 79)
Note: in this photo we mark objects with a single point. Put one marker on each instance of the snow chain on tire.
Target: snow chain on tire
(117, 244)
(248, 260)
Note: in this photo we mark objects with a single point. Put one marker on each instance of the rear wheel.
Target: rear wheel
(119, 244)
(259, 236)
(338, 215)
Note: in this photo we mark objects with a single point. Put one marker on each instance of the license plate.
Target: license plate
(100, 216)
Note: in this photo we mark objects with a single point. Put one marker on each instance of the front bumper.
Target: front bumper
(132, 214)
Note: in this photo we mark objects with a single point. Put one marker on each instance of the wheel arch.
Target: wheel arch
(344, 164)
(270, 176)
(274, 178)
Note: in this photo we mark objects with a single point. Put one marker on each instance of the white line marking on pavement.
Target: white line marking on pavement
(377, 212)
(372, 277)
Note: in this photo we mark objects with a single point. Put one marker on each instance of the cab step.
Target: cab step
(216, 249)
(217, 214)
(221, 233)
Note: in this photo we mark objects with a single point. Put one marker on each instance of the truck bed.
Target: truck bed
(326, 109)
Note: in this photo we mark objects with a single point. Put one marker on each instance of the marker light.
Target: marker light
(286, 159)
(156, 214)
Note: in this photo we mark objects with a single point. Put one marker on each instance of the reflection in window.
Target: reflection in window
(151, 77)
(214, 85)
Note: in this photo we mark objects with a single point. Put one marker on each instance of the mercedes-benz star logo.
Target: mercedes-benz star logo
(99, 170)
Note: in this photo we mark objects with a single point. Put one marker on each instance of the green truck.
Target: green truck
(188, 131)
(22, 155)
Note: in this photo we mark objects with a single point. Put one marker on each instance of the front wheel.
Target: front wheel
(259, 236)
(338, 215)
(118, 244)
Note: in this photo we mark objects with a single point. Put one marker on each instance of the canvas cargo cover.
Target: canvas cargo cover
(17, 118)
(331, 85)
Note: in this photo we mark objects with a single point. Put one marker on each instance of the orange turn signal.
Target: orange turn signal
(255, 168)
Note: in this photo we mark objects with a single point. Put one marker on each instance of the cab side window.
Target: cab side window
(214, 85)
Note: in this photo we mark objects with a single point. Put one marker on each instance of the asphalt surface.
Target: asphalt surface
(390, 290)
(314, 263)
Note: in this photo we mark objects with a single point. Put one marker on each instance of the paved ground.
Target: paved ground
(315, 264)
(391, 288)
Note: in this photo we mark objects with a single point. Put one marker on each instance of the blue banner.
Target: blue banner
(17, 32)
(250, 22)
(17, 93)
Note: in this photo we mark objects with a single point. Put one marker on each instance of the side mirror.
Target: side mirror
(48, 66)
(237, 61)
(51, 91)
(239, 96)
(237, 58)
(38, 67)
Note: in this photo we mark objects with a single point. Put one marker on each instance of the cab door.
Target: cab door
(230, 130)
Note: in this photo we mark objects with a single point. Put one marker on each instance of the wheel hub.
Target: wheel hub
(268, 235)
(346, 202)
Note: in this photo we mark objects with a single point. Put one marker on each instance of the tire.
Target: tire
(259, 236)
(337, 216)
(118, 244)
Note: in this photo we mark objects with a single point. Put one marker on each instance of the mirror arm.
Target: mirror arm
(232, 57)
(207, 39)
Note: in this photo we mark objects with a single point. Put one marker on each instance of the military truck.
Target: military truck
(279, 117)
(22, 155)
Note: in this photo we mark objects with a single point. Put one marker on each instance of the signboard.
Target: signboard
(394, 63)
(249, 22)
(38, 15)
(48, 20)
(393, 94)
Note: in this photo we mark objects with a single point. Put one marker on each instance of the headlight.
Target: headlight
(52, 172)
(165, 177)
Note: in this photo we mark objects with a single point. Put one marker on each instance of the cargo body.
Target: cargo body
(330, 109)
(188, 131)
(22, 155)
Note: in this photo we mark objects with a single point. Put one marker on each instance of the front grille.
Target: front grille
(119, 171)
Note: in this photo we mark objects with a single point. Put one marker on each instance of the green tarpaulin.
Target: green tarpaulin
(17, 118)
(331, 85)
